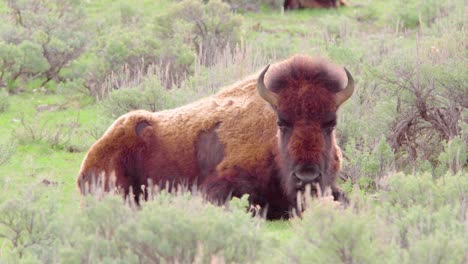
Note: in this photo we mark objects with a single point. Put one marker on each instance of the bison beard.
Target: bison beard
(267, 136)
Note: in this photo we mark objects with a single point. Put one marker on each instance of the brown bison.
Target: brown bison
(267, 136)
(296, 4)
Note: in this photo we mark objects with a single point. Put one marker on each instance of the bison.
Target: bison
(296, 4)
(267, 136)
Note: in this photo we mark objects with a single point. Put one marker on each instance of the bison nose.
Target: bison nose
(307, 173)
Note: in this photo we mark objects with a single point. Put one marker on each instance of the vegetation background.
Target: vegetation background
(68, 68)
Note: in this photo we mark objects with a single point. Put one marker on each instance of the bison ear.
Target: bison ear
(144, 130)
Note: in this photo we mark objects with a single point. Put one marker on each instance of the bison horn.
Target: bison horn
(264, 92)
(344, 94)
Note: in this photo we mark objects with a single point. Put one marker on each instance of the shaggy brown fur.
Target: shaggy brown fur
(228, 143)
(296, 4)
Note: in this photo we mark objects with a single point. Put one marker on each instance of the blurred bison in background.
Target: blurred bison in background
(267, 136)
(296, 4)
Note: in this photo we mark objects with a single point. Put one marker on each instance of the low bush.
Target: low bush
(413, 219)
(454, 156)
(253, 6)
(7, 149)
(120, 58)
(326, 234)
(28, 225)
(365, 163)
(39, 39)
(169, 228)
(429, 102)
(4, 101)
(427, 213)
(414, 13)
(38, 129)
(206, 28)
(410, 101)
(149, 95)
(167, 46)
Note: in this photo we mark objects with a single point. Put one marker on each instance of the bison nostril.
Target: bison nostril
(307, 173)
(307, 177)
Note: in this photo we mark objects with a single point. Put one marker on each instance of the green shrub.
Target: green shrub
(421, 189)
(337, 28)
(427, 83)
(20, 61)
(128, 14)
(71, 87)
(365, 163)
(169, 228)
(40, 39)
(256, 5)
(120, 59)
(367, 155)
(93, 233)
(410, 14)
(28, 229)
(4, 101)
(98, 127)
(454, 157)
(194, 230)
(328, 235)
(368, 14)
(427, 213)
(38, 129)
(133, 48)
(122, 101)
(413, 219)
(440, 246)
(7, 150)
(206, 28)
(149, 95)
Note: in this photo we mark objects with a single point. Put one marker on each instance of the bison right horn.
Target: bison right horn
(264, 92)
(344, 94)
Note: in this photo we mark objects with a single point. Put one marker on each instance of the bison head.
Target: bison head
(305, 93)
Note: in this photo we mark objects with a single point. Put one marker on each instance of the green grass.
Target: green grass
(110, 9)
(35, 162)
(3, 7)
(279, 230)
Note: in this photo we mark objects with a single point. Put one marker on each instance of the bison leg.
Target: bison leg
(291, 4)
(339, 195)
(235, 183)
(220, 189)
(270, 197)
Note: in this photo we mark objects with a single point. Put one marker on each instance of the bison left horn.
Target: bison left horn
(344, 94)
(264, 92)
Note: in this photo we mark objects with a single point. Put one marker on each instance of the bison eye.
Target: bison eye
(329, 126)
(331, 123)
(282, 124)
(328, 130)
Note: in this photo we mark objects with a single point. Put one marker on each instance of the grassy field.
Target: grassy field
(405, 208)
